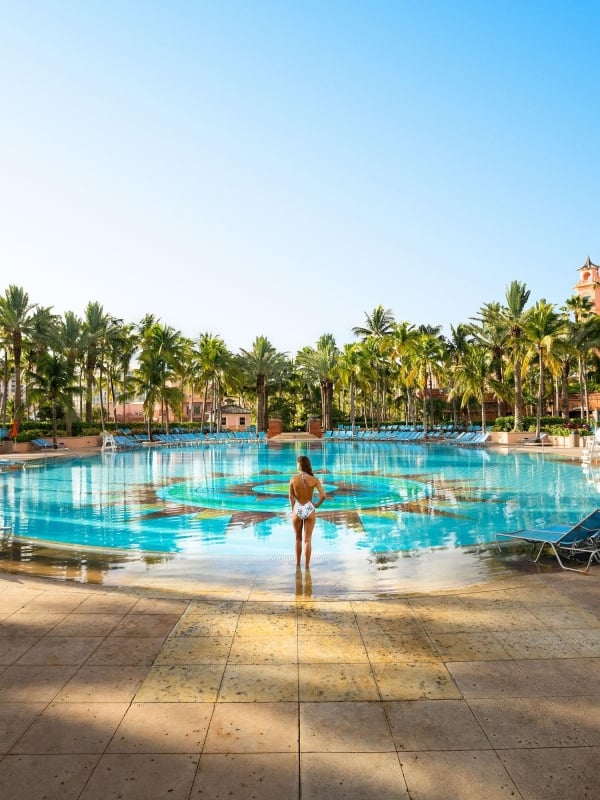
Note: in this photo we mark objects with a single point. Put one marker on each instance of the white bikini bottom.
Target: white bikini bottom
(303, 511)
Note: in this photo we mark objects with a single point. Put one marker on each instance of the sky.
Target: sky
(282, 168)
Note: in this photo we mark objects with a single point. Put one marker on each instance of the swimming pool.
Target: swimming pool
(231, 500)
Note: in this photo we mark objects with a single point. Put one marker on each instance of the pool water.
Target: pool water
(231, 500)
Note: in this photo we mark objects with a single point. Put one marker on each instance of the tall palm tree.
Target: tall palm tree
(54, 381)
(70, 345)
(94, 330)
(262, 364)
(379, 325)
(472, 375)
(214, 360)
(380, 322)
(427, 358)
(545, 332)
(513, 318)
(320, 364)
(160, 368)
(16, 323)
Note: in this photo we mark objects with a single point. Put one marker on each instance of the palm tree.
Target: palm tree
(320, 365)
(513, 319)
(545, 331)
(160, 367)
(213, 360)
(427, 359)
(380, 322)
(55, 382)
(263, 365)
(70, 345)
(94, 330)
(472, 375)
(379, 325)
(16, 323)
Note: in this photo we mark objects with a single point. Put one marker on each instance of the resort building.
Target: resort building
(588, 284)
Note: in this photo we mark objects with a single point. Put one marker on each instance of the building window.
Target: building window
(196, 409)
(242, 422)
(224, 421)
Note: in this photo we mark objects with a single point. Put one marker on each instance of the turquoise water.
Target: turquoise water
(232, 499)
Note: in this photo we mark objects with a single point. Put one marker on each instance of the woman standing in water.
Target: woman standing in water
(302, 487)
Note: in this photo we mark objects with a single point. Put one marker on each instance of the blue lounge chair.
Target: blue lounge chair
(581, 539)
(44, 444)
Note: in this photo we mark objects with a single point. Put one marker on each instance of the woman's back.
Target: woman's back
(303, 486)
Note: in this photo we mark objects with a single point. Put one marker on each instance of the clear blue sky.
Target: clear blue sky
(281, 168)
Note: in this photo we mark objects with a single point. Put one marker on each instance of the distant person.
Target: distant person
(302, 487)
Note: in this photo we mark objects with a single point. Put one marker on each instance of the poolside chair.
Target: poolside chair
(581, 539)
(44, 444)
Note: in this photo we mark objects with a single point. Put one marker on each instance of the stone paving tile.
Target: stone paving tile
(392, 648)
(45, 777)
(13, 647)
(30, 684)
(554, 773)
(103, 684)
(535, 644)
(59, 650)
(72, 728)
(153, 605)
(162, 728)
(562, 616)
(526, 722)
(457, 775)
(54, 602)
(15, 718)
(347, 727)
(331, 649)
(146, 625)
(435, 725)
(30, 624)
(327, 682)
(359, 776)
(264, 650)
(195, 650)
(273, 625)
(258, 728)
(494, 679)
(86, 624)
(113, 603)
(206, 625)
(583, 713)
(584, 642)
(259, 683)
(241, 776)
(137, 776)
(181, 684)
(469, 646)
(120, 651)
(420, 680)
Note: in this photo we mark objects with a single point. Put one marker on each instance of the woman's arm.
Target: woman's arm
(321, 491)
(292, 495)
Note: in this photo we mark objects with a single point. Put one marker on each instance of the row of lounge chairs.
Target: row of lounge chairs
(409, 435)
(188, 439)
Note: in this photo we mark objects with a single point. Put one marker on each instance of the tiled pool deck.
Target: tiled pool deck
(483, 693)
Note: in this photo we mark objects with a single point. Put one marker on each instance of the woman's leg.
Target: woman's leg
(297, 523)
(309, 525)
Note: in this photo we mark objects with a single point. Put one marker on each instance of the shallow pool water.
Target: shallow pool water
(231, 500)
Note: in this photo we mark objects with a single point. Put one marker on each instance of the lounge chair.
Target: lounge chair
(581, 539)
(44, 444)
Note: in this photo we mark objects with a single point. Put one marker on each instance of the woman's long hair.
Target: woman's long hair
(305, 465)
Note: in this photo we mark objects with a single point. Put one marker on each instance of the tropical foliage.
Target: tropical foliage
(513, 357)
